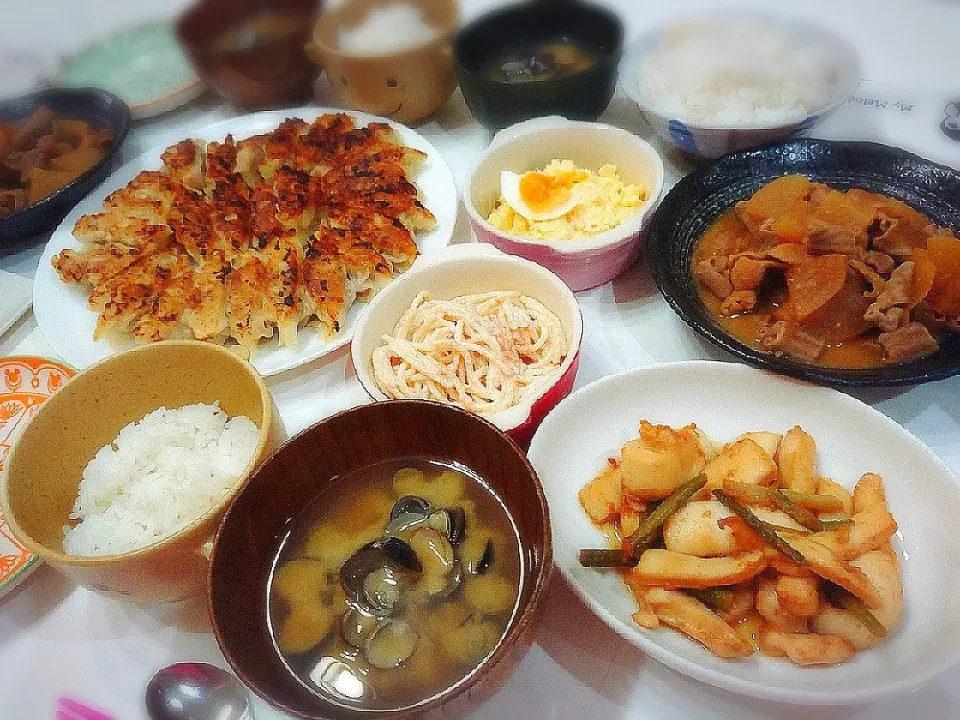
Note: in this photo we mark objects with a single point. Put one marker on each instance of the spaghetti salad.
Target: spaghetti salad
(482, 352)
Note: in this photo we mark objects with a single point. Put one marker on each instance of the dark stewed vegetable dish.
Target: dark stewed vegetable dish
(42, 154)
(850, 279)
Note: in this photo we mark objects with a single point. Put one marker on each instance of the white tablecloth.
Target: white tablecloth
(57, 640)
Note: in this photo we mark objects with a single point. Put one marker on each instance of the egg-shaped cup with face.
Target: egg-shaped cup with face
(406, 85)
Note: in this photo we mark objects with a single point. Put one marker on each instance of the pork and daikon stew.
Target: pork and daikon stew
(849, 279)
(395, 584)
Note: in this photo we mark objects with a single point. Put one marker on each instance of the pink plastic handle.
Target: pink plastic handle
(74, 710)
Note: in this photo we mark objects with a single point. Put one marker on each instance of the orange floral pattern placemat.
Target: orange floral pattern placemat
(25, 383)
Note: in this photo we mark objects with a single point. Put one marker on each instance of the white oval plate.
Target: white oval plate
(725, 400)
(68, 323)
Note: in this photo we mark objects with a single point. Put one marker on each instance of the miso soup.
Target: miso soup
(544, 61)
(395, 584)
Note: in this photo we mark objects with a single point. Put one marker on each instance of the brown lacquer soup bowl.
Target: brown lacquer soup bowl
(333, 451)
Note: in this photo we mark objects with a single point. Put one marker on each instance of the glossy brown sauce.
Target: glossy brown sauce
(728, 233)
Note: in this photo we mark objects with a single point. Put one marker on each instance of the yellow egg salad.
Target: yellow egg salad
(564, 202)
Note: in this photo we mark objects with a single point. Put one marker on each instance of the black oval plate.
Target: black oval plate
(97, 107)
(702, 196)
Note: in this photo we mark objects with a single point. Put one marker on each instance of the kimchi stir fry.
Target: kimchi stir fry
(745, 547)
(844, 279)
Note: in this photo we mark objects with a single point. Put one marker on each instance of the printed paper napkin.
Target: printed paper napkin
(16, 296)
(925, 122)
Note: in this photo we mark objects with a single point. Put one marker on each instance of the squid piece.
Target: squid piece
(741, 461)
(601, 497)
(632, 513)
(772, 610)
(796, 459)
(882, 569)
(666, 568)
(741, 605)
(827, 565)
(805, 648)
(868, 493)
(826, 486)
(644, 616)
(694, 530)
(798, 596)
(661, 460)
(696, 620)
(769, 441)
(835, 621)
(872, 526)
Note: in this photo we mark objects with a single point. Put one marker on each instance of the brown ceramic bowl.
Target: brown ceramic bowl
(42, 475)
(408, 85)
(271, 72)
(257, 522)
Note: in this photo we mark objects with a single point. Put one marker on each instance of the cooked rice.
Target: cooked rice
(159, 475)
(731, 73)
(386, 30)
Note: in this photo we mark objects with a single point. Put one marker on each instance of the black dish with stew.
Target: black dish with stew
(699, 199)
(101, 111)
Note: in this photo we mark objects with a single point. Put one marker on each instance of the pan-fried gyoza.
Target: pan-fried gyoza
(746, 547)
(844, 279)
(246, 239)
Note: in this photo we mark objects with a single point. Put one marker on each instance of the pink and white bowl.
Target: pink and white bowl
(586, 262)
(466, 269)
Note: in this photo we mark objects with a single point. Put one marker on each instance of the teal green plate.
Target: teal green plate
(143, 65)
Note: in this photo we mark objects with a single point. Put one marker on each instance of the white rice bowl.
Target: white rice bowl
(160, 475)
(735, 72)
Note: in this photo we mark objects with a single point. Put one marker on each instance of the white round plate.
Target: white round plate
(68, 323)
(725, 400)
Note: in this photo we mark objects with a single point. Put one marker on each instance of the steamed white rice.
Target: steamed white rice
(160, 474)
(386, 30)
(732, 73)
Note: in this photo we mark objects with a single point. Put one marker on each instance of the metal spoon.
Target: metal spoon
(196, 691)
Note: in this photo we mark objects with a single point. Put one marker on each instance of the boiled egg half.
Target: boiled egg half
(538, 196)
